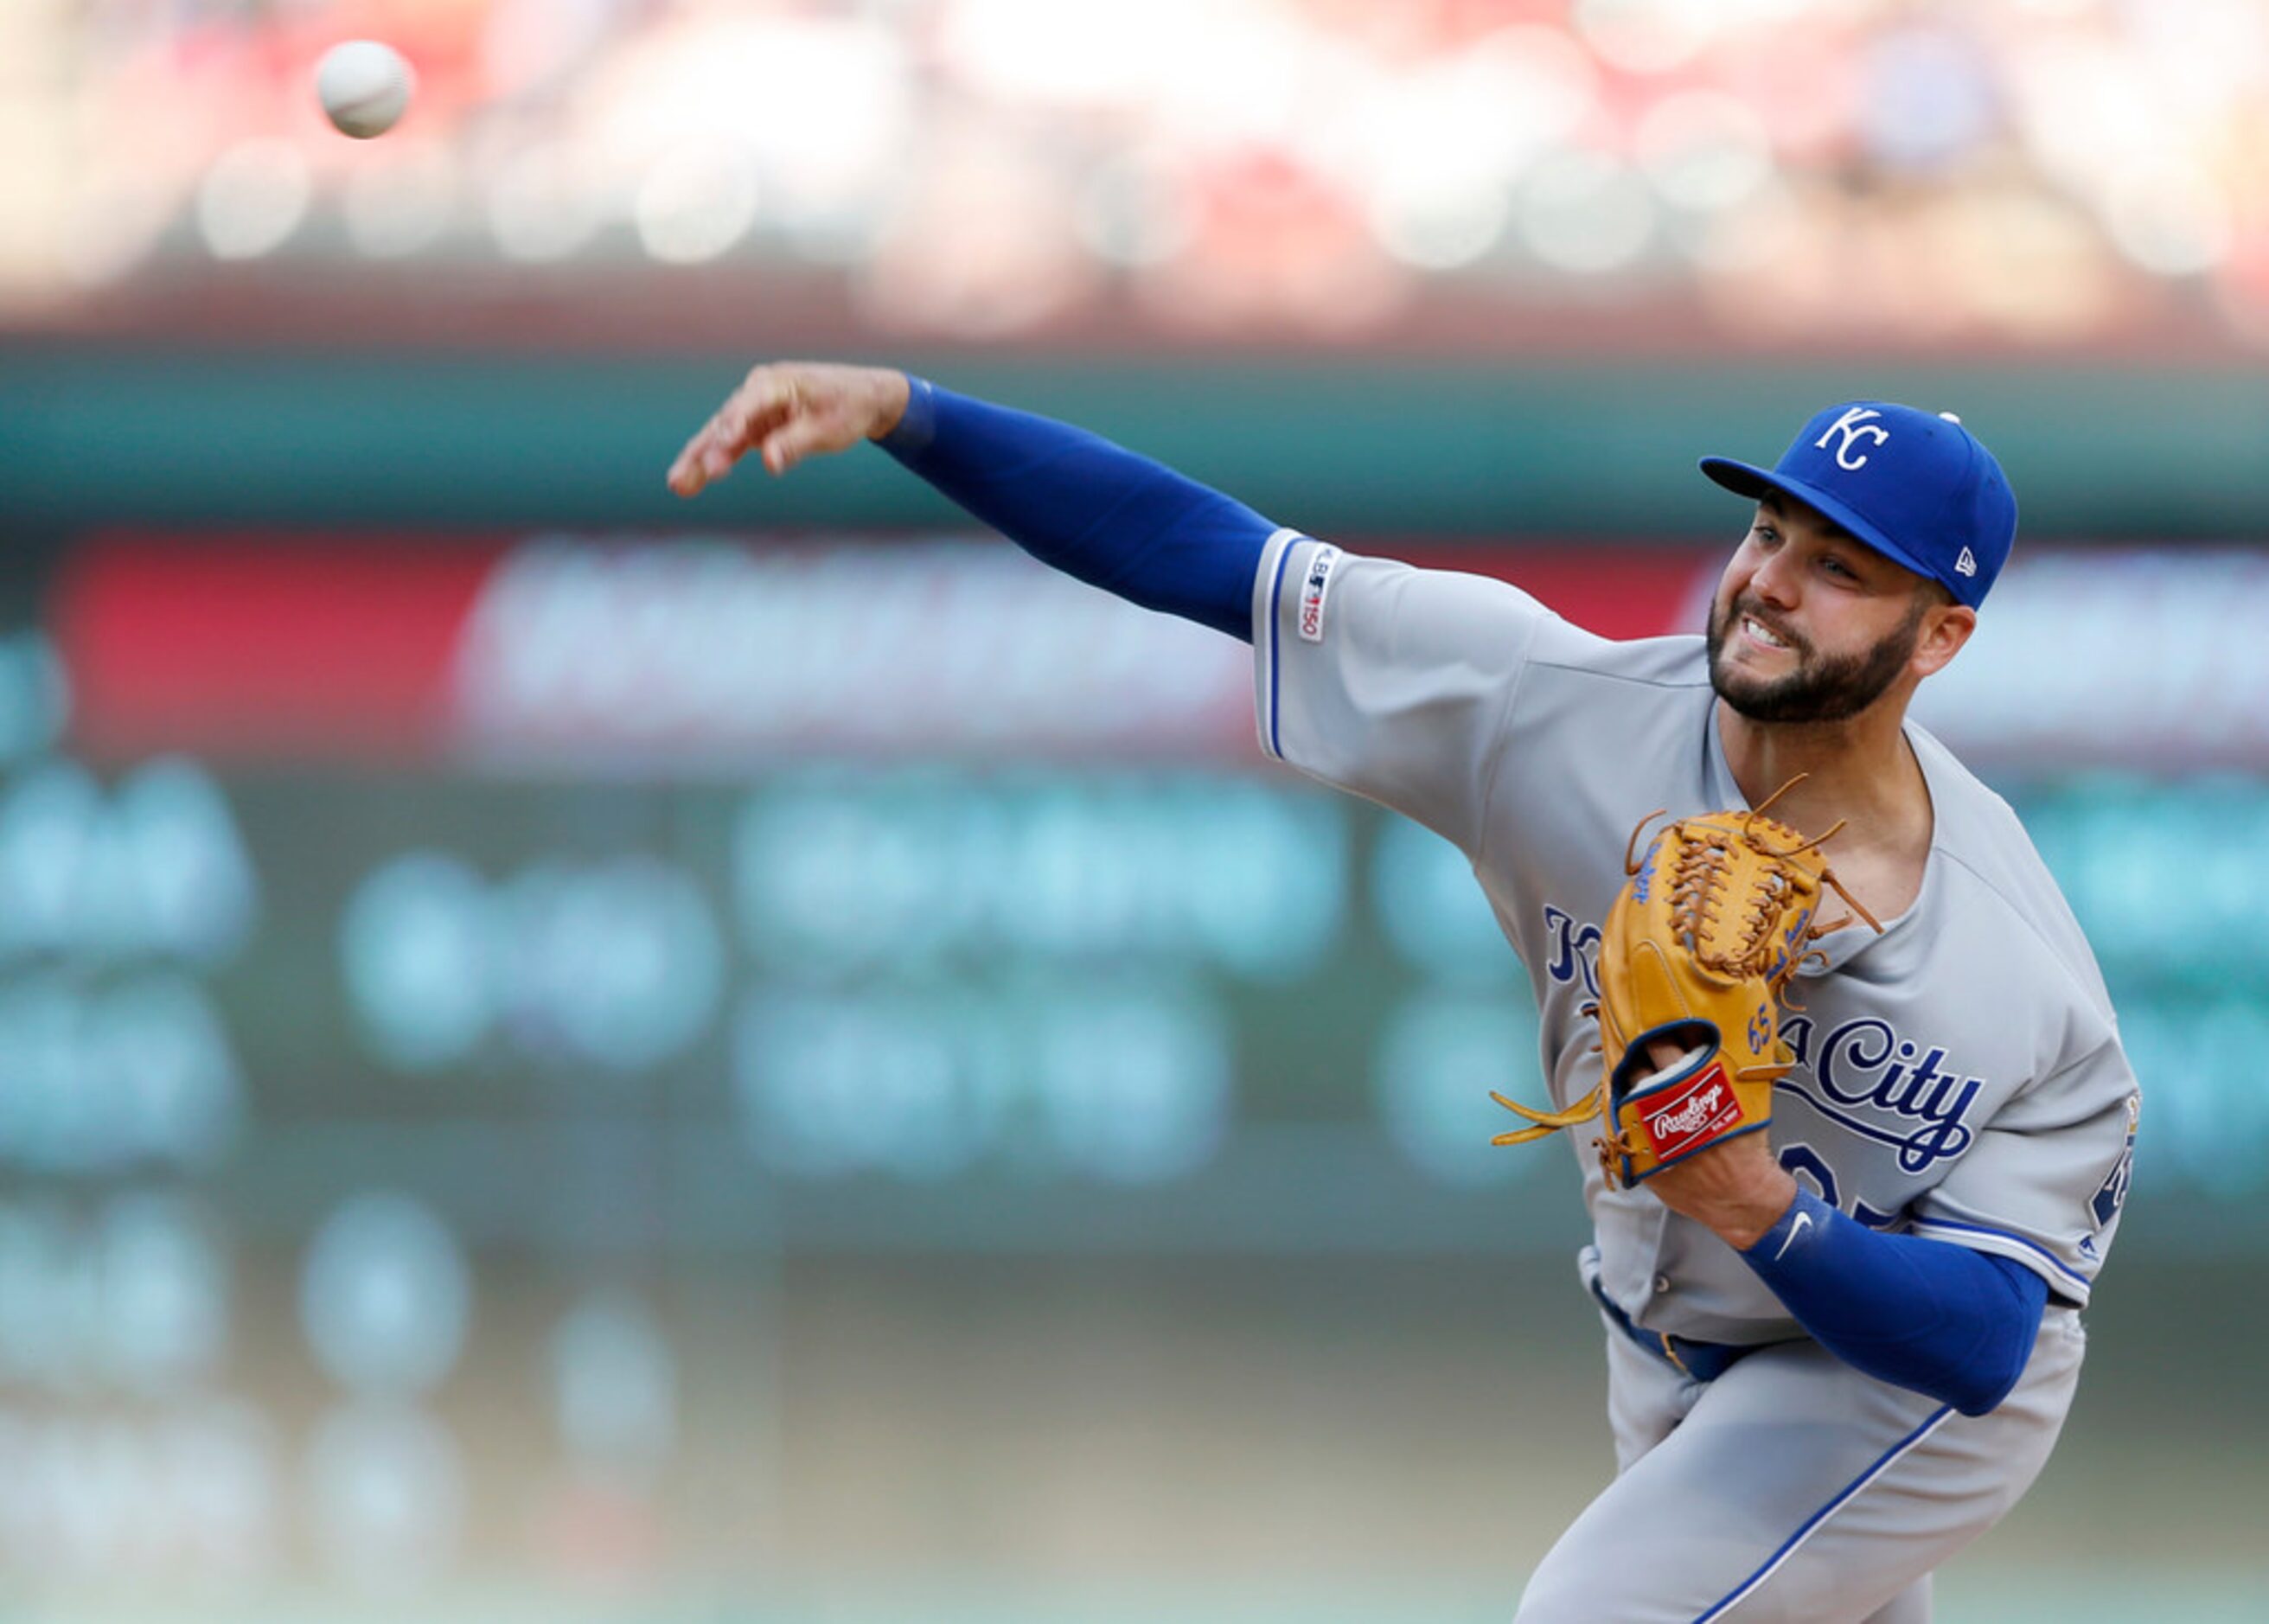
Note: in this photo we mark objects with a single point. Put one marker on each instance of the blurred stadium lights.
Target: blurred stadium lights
(536, 210)
(615, 1385)
(253, 198)
(400, 205)
(1650, 36)
(386, 1296)
(387, 1494)
(1704, 150)
(979, 167)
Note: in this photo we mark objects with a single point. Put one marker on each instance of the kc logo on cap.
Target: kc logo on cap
(1851, 425)
(1917, 486)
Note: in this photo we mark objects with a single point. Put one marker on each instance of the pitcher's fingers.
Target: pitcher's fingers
(711, 453)
(804, 433)
(688, 466)
(706, 457)
(765, 400)
(768, 397)
(784, 446)
(687, 474)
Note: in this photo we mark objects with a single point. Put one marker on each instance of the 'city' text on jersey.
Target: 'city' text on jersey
(1865, 1062)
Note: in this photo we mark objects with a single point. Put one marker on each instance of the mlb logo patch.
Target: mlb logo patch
(1314, 587)
(1690, 1113)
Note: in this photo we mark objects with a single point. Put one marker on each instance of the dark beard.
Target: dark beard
(1831, 687)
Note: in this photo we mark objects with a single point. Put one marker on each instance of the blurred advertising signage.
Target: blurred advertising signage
(2156, 658)
(615, 655)
(621, 655)
(618, 656)
(683, 651)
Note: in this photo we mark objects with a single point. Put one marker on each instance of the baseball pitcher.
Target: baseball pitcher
(1838, 1062)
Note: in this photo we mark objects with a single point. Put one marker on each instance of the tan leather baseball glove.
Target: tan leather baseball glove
(1708, 928)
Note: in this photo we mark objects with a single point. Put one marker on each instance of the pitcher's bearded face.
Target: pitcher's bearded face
(1811, 686)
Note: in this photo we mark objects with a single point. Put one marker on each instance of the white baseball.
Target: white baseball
(364, 87)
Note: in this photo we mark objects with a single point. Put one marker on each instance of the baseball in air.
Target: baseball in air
(364, 86)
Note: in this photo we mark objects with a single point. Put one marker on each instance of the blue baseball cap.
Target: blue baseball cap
(1916, 486)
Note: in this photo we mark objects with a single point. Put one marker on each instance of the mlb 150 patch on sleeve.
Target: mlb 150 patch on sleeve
(1315, 585)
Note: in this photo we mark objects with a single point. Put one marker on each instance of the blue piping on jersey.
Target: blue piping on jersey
(1789, 1549)
(1275, 634)
(2035, 1247)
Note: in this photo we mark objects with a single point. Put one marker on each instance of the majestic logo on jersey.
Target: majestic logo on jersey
(2107, 1201)
(1314, 588)
(1861, 1069)
(1851, 426)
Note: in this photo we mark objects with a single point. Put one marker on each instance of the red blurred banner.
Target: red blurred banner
(305, 646)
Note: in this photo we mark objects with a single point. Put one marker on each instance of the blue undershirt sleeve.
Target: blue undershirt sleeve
(1953, 1324)
(1092, 509)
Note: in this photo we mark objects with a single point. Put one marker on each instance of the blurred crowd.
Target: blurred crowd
(2022, 170)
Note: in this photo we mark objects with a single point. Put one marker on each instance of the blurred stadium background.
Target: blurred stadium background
(567, 1055)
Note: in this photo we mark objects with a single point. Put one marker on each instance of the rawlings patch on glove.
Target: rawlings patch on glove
(1708, 928)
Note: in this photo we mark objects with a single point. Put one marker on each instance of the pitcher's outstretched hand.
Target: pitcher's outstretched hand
(788, 410)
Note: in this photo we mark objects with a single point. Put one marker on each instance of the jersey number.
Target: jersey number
(1804, 1164)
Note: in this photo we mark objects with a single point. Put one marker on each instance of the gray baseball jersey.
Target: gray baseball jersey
(1958, 1076)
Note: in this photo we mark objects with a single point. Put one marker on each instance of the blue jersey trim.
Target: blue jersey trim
(1789, 1547)
(2035, 1247)
(1275, 640)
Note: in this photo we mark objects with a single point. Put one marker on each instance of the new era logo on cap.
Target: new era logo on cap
(1916, 486)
